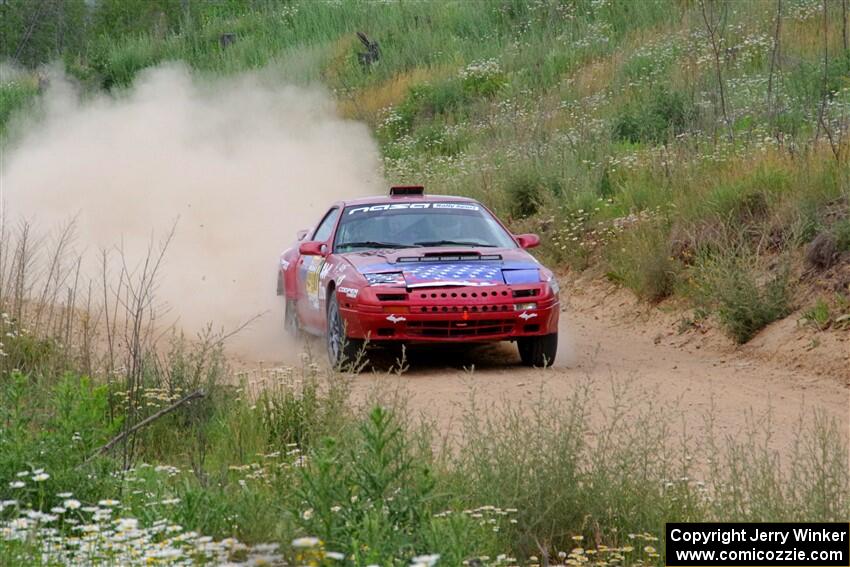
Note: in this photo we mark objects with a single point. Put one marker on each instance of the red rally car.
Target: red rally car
(411, 268)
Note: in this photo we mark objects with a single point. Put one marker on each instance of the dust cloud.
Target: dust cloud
(240, 164)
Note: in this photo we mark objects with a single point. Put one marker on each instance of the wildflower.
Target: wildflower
(17, 484)
(424, 560)
(71, 504)
(64, 494)
(307, 514)
(306, 542)
(108, 503)
(124, 524)
(41, 477)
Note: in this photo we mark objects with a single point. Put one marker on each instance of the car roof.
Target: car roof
(383, 199)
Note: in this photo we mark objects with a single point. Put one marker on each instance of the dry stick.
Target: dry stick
(715, 48)
(21, 263)
(147, 421)
(825, 94)
(774, 58)
(844, 32)
(825, 84)
(139, 301)
(45, 300)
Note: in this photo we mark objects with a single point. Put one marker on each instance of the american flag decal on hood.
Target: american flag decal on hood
(468, 274)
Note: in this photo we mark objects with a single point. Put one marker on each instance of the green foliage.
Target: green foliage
(730, 287)
(428, 101)
(841, 230)
(641, 260)
(655, 118)
(34, 34)
(371, 498)
(818, 315)
(528, 188)
(117, 64)
(52, 428)
(15, 96)
(806, 81)
(437, 140)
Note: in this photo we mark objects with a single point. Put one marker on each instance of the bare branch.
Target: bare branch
(145, 422)
(711, 28)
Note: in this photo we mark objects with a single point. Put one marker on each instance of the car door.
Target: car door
(309, 275)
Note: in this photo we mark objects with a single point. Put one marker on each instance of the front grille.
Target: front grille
(475, 328)
(392, 296)
(461, 308)
(466, 294)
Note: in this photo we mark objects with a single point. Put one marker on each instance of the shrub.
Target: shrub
(483, 78)
(15, 96)
(841, 230)
(371, 496)
(525, 193)
(437, 140)
(654, 118)
(731, 288)
(641, 260)
(528, 189)
(818, 315)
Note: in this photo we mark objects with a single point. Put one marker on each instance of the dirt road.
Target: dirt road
(606, 345)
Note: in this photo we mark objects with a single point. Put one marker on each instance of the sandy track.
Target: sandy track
(602, 350)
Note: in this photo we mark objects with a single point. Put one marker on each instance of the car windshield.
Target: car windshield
(403, 225)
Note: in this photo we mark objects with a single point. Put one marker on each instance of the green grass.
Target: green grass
(369, 483)
(731, 286)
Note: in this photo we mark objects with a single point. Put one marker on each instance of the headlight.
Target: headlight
(392, 278)
(553, 285)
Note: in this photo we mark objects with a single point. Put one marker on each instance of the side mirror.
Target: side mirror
(528, 240)
(301, 234)
(312, 248)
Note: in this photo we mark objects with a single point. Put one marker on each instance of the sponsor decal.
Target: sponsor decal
(399, 206)
(393, 319)
(349, 292)
(311, 285)
(526, 315)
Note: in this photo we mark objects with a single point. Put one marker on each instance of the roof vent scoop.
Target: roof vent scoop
(407, 190)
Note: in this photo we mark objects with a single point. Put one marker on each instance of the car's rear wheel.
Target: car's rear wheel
(342, 350)
(290, 319)
(538, 351)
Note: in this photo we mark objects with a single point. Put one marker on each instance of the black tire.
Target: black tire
(290, 320)
(538, 351)
(342, 351)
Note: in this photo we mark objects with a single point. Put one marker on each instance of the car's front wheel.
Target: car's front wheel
(342, 350)
(538, 351)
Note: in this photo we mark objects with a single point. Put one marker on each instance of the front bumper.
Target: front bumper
(451, 314)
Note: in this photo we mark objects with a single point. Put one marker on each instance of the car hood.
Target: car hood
(433, 267)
